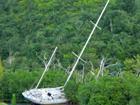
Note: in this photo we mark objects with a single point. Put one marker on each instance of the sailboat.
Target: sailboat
(56, 95)
(46, 95)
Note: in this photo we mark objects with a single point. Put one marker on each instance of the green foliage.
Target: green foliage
(84, 93)
(1, 69)
(13, 101)
(107, 90)
(133, 87)
(127, 5)
(19, 81)
(28, 27)
(1, 103)
(133, 65)
(31, 27)
(71, 90)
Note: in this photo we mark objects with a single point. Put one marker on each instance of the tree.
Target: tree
(127, 5)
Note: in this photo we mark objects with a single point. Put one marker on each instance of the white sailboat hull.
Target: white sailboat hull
(46, 96)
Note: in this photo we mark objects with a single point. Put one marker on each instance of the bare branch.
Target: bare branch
(92, 73)
(101, 68)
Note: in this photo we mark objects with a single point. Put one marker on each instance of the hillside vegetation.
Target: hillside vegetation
(34, 27)
(31, 29)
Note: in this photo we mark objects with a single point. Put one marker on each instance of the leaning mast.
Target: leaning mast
(84, 47)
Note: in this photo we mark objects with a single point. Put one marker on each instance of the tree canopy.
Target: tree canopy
(34, 27)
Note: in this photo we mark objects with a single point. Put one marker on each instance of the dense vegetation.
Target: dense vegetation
(121, 90)
(107, 90)
(19, 81)
(30, 29)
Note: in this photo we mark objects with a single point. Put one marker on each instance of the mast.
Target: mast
(83, 49)
(46, 68)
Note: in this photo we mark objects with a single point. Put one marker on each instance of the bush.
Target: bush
(1, 103)
(19, 81)
(133, 86)
(13, 101)
(107, 90)
(84, 93)
(71, 90)
(1, 69)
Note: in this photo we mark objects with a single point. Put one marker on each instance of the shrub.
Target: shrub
(2, 103)
(13, 101)
(84, 93)
(133, 86)
(71, 90)
(108, 90)
(19, 81)
(1, 69)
